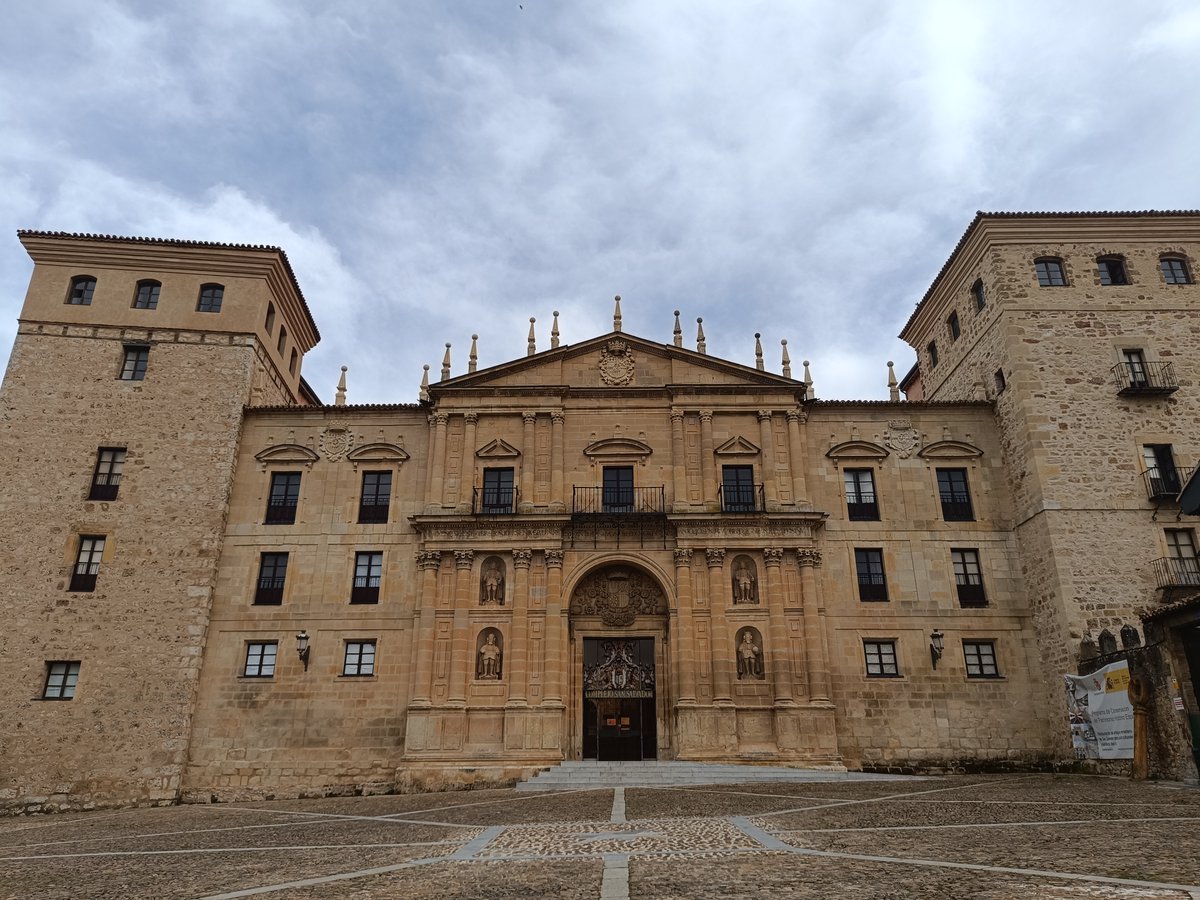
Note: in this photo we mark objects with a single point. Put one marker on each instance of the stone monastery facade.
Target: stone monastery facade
(215, 586)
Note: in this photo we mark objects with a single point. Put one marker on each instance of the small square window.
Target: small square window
(968, 578)
(881, 659)
(933, 354)
(872, 583)
(133, 367)
(1050, 272)
(61, 678)
(980, 295)
(272, 573)
(952, 324)
(368, 570)
(82, 288)
(106, 477)
(360, 658)
(375, 498)
(1112, 270)
(211, 296)
(283, 499)
(260, 659)
(1175, 270)
(980, 657)
(146, 296)
(87, 563)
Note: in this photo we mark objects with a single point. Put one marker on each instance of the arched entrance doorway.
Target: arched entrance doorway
(619, 661)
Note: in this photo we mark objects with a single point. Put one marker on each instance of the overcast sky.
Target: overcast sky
(434, 169)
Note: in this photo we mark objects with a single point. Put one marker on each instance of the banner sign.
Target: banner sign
(1100, 714)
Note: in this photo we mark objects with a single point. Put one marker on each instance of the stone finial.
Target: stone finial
(677, 340)
(532, 348)
(446, 363)
(701, 344)
(808, 383)
(554, 331)
(340, 398)
(423, 394)
(787, 360)
(617, 313)
(893, 385)
(473, 359)
(758, 357)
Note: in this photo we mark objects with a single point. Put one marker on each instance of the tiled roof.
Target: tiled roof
(349, 407)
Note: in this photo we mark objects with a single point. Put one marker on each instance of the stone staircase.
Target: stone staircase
(590, 775)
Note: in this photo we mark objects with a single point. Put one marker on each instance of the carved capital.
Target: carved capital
(558, 417)
(522, 559)
(764, 415)
(706, 416)
(464, 559)
(773, 557)
(807, 556)
(715, 558)
(429, 559)
(683, 557)
(554, 559)
(471, 418)
(799, 416)
(529, 418)
(439, 419)
(676, 415)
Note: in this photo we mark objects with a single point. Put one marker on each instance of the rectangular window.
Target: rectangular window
(1135, 368)
(618, 489)
(872, 584)
(283, 499)
(1050, 272)
(497, 492)
(368, 569)
(211, 296)
(968, 577)
(272, 573)
(1112, 271)
(87, 563)
(61, 678)
(1175, 271)
(376, 495)
(980, 657)
(360, 658)
(881, 659)
(82, 288)
(933, 354)
(955, 495)
(147, 295)
(861, 505)
(979, 294)
(260, 659)
(133, 366)
(952, 324)
(106, 478)
(1162, 477)
(737, 489)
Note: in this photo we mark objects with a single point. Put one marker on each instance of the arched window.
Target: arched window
(979, 294)
(211, 296)
(1112, 270)
(82, 288)
(1175, 270)
(292, 362)
(270, 324)
(146, 295)
(282, 339)
(1050, 272)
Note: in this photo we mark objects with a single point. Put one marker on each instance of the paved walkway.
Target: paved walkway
(992, 837)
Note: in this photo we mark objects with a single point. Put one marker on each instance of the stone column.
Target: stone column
(678, 460)
(558, 502)
(462, 651)
(796, 456)
(766, 436)
(516, 663)
(555, 649)
(684, 662)
(466, 478)
(722, 646)
(814, 625)
(707, 473)
(781, 665)
(528, 461)
(437, 462)
(430, 564)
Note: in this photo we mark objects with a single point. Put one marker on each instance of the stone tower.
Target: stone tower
(120, 419)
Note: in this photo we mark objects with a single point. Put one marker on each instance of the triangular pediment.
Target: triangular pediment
(949, 450)
(615, 361)
(857, 450)
(498, 449)
(286, 455)
(737, 446)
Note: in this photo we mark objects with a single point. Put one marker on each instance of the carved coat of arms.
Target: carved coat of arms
(616, 363)
(617, 596)
(337, 440)
(901, 437)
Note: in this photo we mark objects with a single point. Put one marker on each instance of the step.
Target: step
(594, 775)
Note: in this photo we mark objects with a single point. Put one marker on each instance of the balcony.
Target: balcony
(971, 596)
(84, 581)
(365, 590)
(490, 501)
(1164, 484)
(269, 592)
(872, 587)
(105, 487)
(1146, 378)
(1174, 572)
(281, 512)
(619, 501)
(862, 510)
(742, 498)
(956, 506)
(372, 513)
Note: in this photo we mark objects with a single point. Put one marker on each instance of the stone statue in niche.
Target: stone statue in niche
(749, 656)
(487, 664)
(491, 582)
(745, 581)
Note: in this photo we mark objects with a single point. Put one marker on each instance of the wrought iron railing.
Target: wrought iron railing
(1145, 378)
(1163, 483)
(1176, 571)
(742, 498)
(365, 590)
(970, 595)
(621, 501)
(956, 506)
(493, 501)
(372, 513)
(281, 512)
(105, 486)
(269, 591)
(85, 580)
(872, 586)
(863, 510)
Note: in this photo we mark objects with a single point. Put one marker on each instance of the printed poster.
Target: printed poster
(1100, 713)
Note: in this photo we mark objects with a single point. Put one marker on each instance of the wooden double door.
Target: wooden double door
(619, 712)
